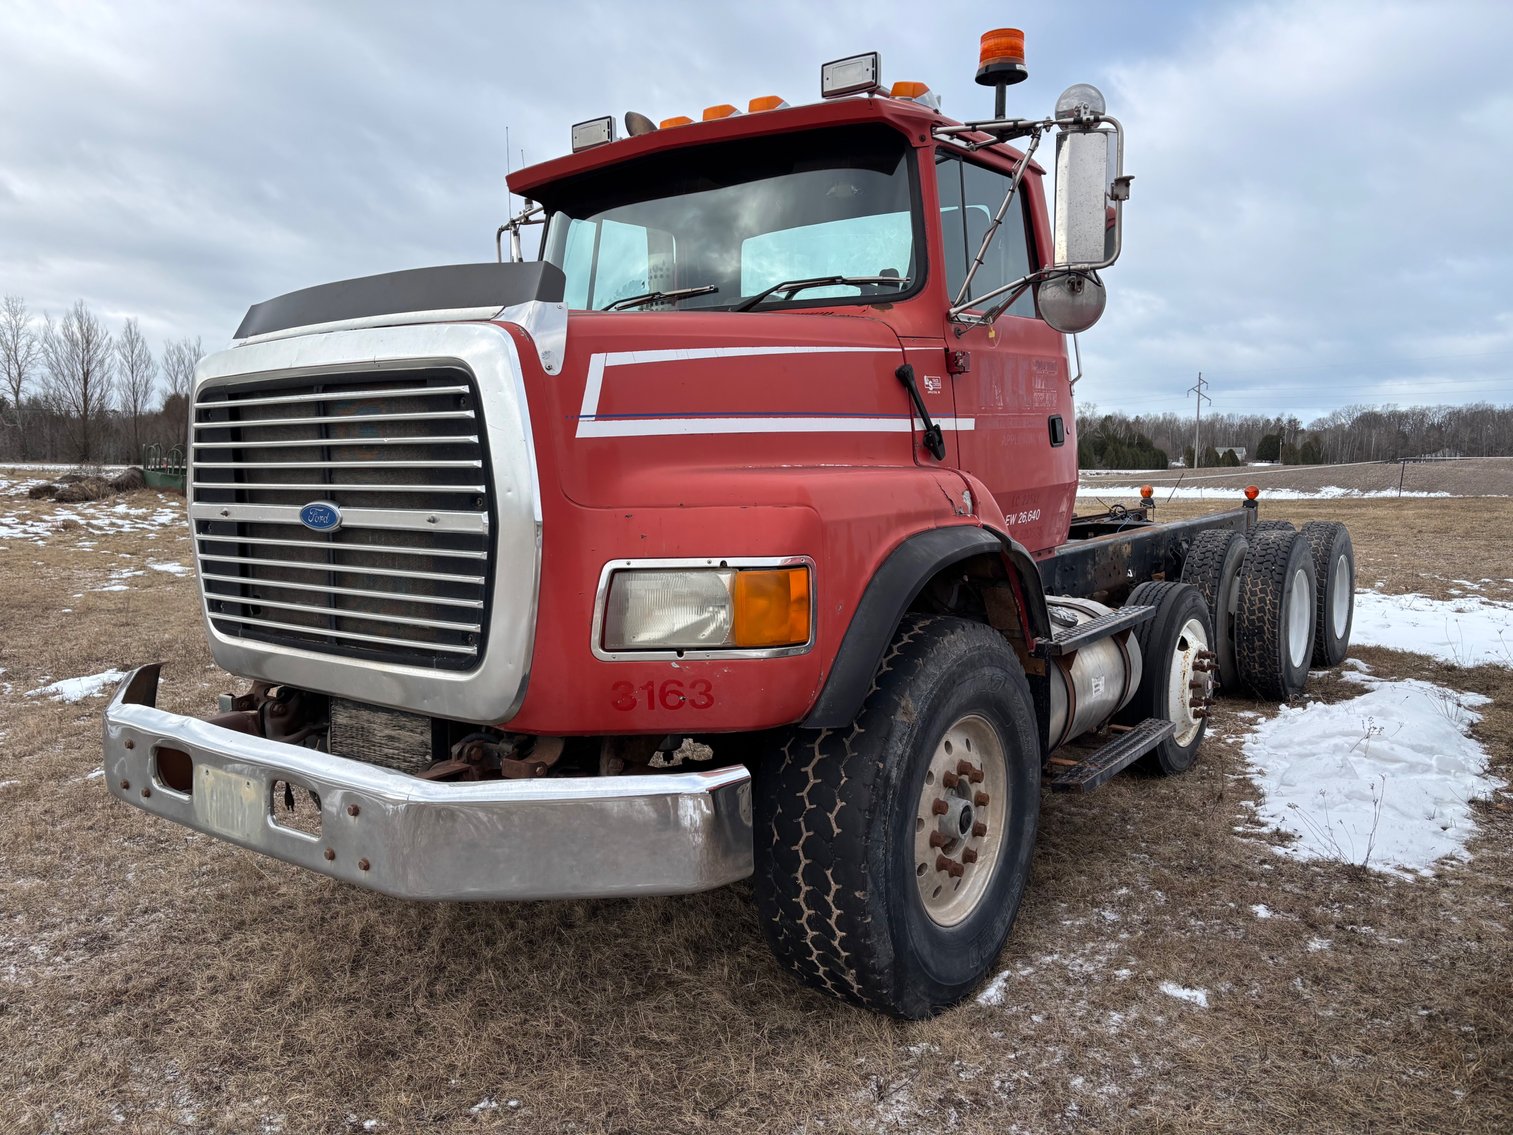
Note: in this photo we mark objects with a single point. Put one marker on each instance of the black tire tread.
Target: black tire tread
(1321, 536)
(1258, 618)
(1204, 569)
(817, 808)
(1168, 758)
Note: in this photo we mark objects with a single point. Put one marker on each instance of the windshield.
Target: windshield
(740, 217)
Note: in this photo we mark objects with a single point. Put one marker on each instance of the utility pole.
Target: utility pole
(1197, 416)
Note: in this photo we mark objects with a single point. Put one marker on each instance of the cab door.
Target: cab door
(1013, 402)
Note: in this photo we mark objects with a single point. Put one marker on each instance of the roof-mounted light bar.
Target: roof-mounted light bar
(858, 74)
(594, 132)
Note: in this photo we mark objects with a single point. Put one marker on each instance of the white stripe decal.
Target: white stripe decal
(590, 425)
(660, 427)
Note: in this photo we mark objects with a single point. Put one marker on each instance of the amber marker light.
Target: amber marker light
(1147, 491)
(767, 102)
(724, 110)
(680, 120)
(1001, 45)
(771, 607)
(1251, 492)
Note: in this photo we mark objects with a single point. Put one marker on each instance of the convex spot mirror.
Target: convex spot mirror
(1073, 299)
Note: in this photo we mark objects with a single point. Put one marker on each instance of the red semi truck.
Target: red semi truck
(733, 536)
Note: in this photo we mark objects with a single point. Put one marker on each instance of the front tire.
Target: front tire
(892, 855)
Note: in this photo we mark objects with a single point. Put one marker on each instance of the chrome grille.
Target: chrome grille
(405, 578)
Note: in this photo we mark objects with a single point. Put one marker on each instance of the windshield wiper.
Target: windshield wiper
(659, 297)
(788, 287)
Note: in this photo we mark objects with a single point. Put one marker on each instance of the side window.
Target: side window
(970, 196)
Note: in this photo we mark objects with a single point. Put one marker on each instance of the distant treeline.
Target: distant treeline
(1355, 433)
(73, 390)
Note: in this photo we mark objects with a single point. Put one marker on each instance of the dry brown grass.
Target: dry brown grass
(153, 980)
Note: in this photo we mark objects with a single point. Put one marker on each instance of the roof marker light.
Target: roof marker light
(680, 120)
(852, 76)
(767, 102)
(594, 132)
(724, 110)
(915, 92)
(1000, 58)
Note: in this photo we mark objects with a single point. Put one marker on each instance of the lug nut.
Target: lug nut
(938, 840)
(950, 779)
(980, 799)
(949, 866)
(969, 770)
(940, 808)
(979, 829)
(969, 856)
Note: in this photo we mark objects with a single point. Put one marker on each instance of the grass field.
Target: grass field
(153, 980)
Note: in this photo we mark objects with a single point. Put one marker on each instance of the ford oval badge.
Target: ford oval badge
(321, 516)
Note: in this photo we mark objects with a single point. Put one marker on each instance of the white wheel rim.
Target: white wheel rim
(1299, 608)
(1180, 696)
(959, 825)
(1339, 597)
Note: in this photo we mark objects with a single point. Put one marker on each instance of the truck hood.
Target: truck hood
(647, 404)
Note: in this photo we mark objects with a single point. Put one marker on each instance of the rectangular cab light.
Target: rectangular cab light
(594, 132)
(851, 76)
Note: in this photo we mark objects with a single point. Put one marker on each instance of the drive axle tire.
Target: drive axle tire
(1213, 567)
(1274, 621)
(891, 856)
(1174, 654)
(1271, 526)
(1334, 566)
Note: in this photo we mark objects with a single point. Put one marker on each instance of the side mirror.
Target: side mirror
(1089, 161)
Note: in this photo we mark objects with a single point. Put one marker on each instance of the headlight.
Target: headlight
(707, 608)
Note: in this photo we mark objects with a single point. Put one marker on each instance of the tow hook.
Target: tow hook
(483, 756)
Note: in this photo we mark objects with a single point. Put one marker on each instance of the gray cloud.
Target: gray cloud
(1316, 217)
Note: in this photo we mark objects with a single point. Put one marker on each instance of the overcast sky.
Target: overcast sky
(1318, 218)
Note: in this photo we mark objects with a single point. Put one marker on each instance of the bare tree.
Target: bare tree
(137, 373)
(19, 351)
(80, 382)
(179, 359)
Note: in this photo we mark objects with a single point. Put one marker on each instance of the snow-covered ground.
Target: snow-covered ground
(1237, 487)
(1467, 631)
(77, 689)
(19, 522)
(1383, 780)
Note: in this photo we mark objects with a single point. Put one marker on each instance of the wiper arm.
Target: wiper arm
(788, 287)
(659, 297)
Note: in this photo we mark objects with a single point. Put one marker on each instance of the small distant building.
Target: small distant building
(1237, 450)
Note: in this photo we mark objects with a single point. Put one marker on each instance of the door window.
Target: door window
(969, 198)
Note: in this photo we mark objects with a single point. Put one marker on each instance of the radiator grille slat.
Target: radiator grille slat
(406, 577)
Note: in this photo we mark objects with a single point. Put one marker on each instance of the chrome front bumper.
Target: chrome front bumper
(418, 839)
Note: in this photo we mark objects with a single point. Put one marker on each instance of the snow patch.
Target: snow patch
(1261, 910)
(1469, 631)
(77, 689)
(170, 568)
(1198, 997)
(1383, 780)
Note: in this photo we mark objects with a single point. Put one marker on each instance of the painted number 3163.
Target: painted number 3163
(673, 693)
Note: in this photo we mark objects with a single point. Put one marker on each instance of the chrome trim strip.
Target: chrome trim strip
(601, 598)
(347, 394)
(377, 549)
(350, 569)
(354, 616)
(377, 487)
(358, 463)
(326, 442)
(354, 636)
(325, 589)
(493, 689)
(239, 423)
(581, 837)
(403, 520)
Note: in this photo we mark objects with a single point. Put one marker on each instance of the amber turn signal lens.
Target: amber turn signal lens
(1001, 45)
(680, 120)
(1251, 492)
(724, 110)
(771, 607)
(767, 102)
(1147, 491)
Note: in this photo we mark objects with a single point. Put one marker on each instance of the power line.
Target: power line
(1197, 415)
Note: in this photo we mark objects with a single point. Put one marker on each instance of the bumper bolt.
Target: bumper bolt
(353, 809)
(146, 792)
(330, 854)
(130, 744)
(362, 864)
(125, 784)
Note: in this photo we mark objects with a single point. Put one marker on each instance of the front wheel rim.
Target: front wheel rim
(959, 834)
